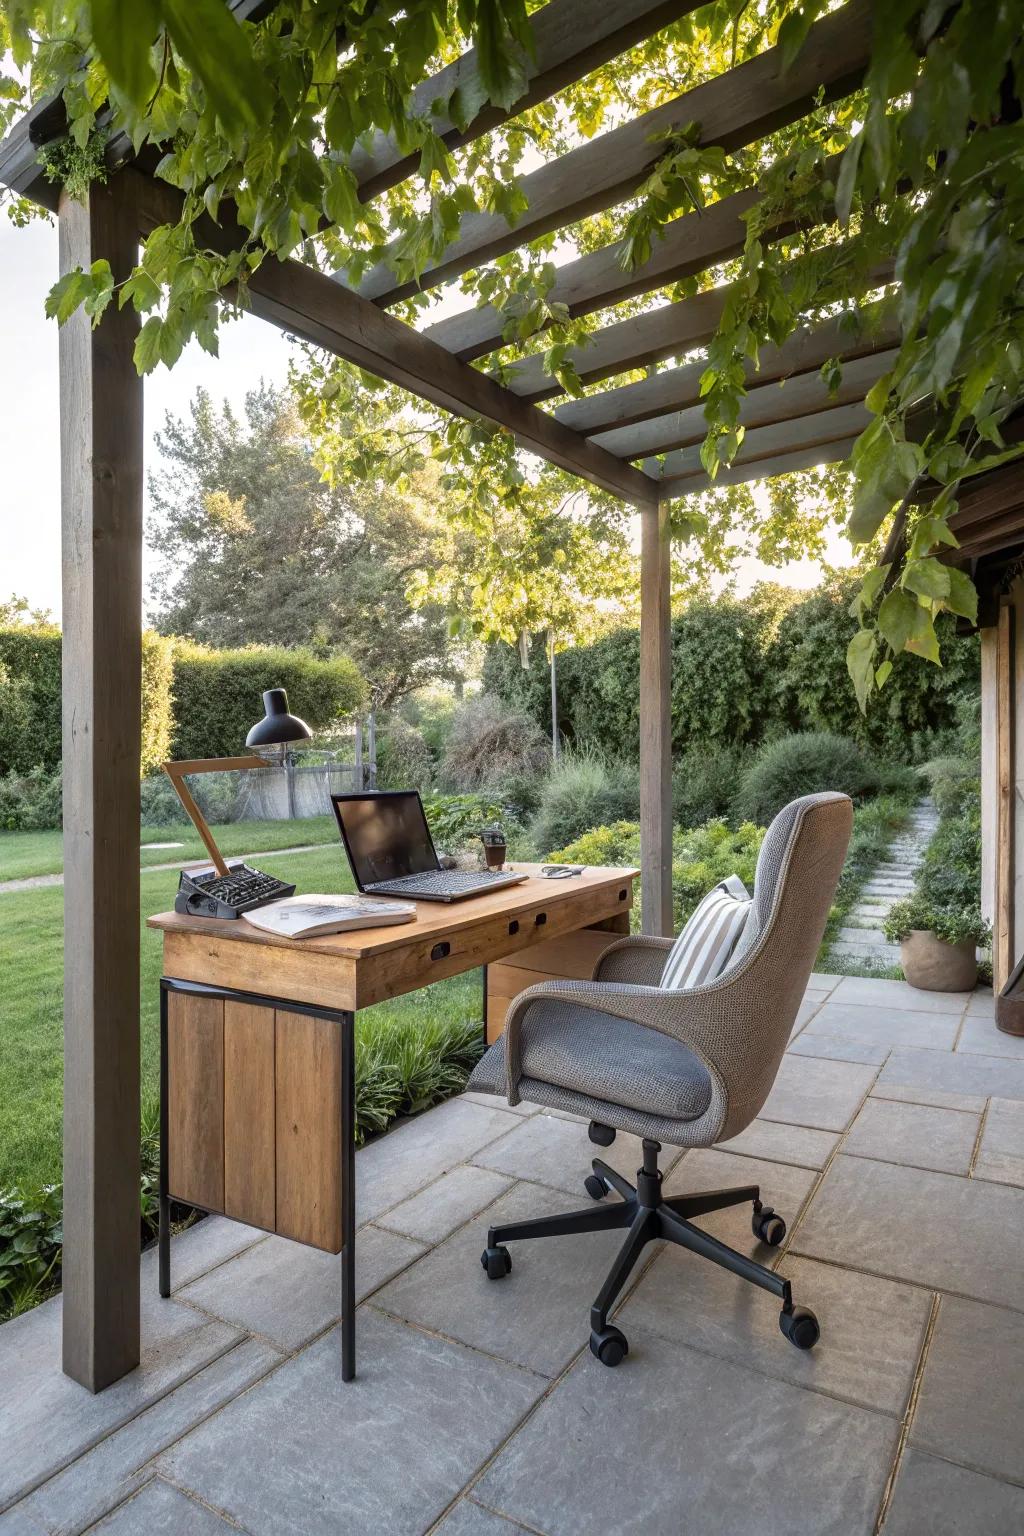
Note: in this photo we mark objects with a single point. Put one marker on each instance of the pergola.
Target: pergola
(609, 438)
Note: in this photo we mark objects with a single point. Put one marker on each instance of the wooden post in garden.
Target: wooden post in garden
(101, 437)
(655, 719)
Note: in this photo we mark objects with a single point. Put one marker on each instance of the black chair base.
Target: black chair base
(647, 1218)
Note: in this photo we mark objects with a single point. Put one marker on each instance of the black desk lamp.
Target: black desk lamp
(277, 728)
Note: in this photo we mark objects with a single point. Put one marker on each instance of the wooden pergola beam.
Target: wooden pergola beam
(786, 436)
(570, 38)
(306, 303)
(733, 110)
(852, 334)
(688, 245)
(761, 469)
(799, 397)
(643, 339)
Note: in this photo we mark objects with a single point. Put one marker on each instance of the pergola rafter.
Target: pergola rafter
(595, 437)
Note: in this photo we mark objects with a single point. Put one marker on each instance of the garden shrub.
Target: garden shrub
(582, 791)
(30, 659)
(488, 742)
(404, 760)
(30, 802)
(950, 780)
(700, 857)
(742, 671)
(31, 655)
(704, 783)
(218, 694)
(456, 821)
(803, 764)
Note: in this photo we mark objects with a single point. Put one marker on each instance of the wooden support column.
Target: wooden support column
(655, 719)
(101, 507)
(1003, 957)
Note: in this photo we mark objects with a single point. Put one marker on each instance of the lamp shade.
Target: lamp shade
(278, 727)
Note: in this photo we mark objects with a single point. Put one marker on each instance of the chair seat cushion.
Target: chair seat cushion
(603, 1057)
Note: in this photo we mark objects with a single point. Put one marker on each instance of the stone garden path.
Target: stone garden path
(862, 938)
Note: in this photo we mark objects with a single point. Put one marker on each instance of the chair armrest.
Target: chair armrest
(639, 959)
(647, 1006)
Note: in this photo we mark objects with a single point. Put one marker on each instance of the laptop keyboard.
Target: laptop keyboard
(445, 882)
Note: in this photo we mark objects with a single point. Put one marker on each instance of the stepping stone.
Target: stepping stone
(873, 936)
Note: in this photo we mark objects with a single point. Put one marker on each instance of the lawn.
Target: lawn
(31, 1066)
(42, 853)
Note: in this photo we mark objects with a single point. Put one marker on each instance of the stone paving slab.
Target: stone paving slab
(934, 1498)
(958, 1073)
(980, 1037)
(879, 993)
(537, 1316)
(635, 1450)
(838, 1048)
(780, 1143)
(971, 1404)
(46, 1419)
(454, 1198)
(1001, 1153)
(305, 1452)
(417, 1152)
(782, 1186)
(871, 1329)
(915, 1134)
(105, 1475)
(160, 1510)
(824, 1095)
(931, 1229)
(906, 1027)
(554, 1150)
(287, 1292)
(469, 1518)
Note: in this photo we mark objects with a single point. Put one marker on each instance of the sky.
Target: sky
(250, 350)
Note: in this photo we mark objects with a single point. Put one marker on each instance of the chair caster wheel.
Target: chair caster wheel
(497, 1262)
(800, 1327)
(609, 1346)
(595, 1186)
(767, 1227)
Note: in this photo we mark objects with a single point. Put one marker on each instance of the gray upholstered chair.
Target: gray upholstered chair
(690, 1068)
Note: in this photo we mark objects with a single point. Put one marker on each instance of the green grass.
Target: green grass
(42, 853)
(31, 1040)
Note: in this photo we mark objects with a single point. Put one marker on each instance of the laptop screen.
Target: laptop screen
(385, 835)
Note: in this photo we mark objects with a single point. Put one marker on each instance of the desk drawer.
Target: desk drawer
(254, 1116)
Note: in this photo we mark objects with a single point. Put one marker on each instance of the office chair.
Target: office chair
(689, 1067)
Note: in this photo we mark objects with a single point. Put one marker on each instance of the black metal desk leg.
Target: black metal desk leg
(348, 1195)
(164, 1230)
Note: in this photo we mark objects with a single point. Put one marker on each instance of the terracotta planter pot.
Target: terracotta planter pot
(932, 965)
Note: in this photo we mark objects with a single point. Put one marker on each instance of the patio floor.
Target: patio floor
(893, 1143)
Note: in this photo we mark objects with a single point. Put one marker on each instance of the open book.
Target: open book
(307, 917)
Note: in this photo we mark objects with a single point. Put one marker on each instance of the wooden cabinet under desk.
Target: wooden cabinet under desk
(258, 1044)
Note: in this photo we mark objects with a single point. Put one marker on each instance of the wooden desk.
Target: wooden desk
(257, 1049)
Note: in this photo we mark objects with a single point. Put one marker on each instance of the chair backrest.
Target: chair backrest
(741, 1022)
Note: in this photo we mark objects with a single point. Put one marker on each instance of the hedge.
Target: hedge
(195, 702)
(217, 694)
(743, 671)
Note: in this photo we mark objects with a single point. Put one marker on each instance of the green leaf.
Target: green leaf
(928, 578)
(870, 509)
(963, 595)
(147, 345)
(216, 47)
(860, 663)
(66, 295)
(124, 37)
(897, 618)
(924, 641)
(882, 675)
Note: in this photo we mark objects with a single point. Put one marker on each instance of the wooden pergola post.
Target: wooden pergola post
(655, 719)
(101, 506)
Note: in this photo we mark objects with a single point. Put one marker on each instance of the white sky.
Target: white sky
(29, 425)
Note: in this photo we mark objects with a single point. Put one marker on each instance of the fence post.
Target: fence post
(371, 731)
(357, 772)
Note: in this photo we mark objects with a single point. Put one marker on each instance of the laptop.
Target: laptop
(391, 852)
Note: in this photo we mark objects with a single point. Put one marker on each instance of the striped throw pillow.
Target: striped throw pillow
(703, 949)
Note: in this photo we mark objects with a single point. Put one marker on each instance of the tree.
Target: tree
(257, 548)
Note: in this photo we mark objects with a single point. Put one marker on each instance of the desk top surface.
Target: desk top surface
(434, 919)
